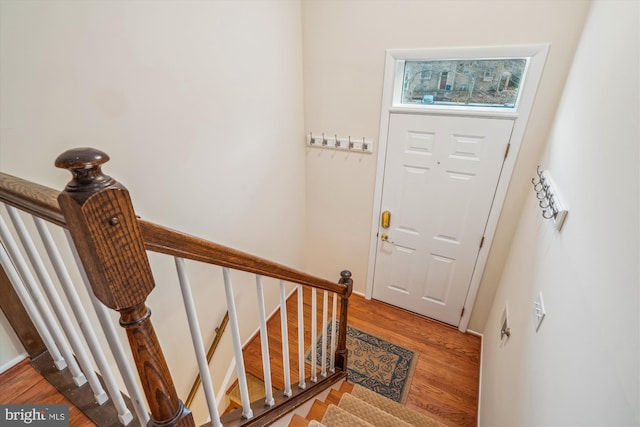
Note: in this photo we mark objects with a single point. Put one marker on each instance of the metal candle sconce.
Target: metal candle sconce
(549, 201)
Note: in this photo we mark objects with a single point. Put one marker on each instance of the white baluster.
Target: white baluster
(198, 345)
(109, 330)
(124, 415)
(237, 345)
(325, 309)
(28, 304)
(264, 343)
(284, 330)
(332, 363)
(302, 382)
(314, 335)
(56, 303)
(45, 312)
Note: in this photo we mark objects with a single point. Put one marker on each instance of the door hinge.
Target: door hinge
(481, 242)
(462, 312)
(506, 152)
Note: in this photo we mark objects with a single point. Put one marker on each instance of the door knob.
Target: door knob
(385, 238)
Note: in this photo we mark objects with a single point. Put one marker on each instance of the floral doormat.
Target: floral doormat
(374, 363)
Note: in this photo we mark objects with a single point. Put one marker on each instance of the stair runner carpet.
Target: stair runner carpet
(365, 408)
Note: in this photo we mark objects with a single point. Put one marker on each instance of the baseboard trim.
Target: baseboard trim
(13, 362)
(478, 334)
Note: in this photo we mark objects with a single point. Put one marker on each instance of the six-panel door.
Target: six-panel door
(440, 178)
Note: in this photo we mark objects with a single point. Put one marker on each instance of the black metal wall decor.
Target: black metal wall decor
(549, 200)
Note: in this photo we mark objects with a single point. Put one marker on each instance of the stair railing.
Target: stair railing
(212, 349)
(110, 243)
(61, 345)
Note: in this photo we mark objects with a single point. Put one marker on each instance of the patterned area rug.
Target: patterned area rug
(374, 363)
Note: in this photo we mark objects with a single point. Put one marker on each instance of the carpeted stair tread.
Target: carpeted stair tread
(337, 417)
(396, 409)
(369, 413)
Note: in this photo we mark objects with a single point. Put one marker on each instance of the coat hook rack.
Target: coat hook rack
(341, 143)
(548, 198)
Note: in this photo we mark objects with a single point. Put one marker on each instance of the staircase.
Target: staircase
(356, 406)
(91, 238)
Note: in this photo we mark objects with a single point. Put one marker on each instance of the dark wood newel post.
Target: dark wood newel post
(104, 228)
(341, 349)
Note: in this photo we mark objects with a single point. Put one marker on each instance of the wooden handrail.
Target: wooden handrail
(42, 202)
(178, 244)
(30, 197)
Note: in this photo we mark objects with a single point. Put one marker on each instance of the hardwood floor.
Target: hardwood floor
(23, 384)
(446, 380)
(444, 386)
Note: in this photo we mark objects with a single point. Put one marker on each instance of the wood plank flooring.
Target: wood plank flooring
(23, 384)
(446, 381)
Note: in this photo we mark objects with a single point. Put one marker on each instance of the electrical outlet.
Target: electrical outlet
(538, 311)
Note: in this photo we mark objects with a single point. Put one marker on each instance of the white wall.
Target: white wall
(344, 51)
(199, 105)
(11, 350)
(582, 366)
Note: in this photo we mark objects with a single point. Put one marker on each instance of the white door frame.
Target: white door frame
(537, 55)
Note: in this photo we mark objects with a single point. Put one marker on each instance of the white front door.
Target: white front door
(440, 178)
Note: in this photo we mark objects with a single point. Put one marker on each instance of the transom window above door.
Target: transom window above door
(493, 83)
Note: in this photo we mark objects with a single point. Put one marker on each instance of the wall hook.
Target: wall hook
(337, 142)
(549, 202)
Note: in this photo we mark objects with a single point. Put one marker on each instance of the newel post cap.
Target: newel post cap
(85, 166)
(345, 279)
(345, 276)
